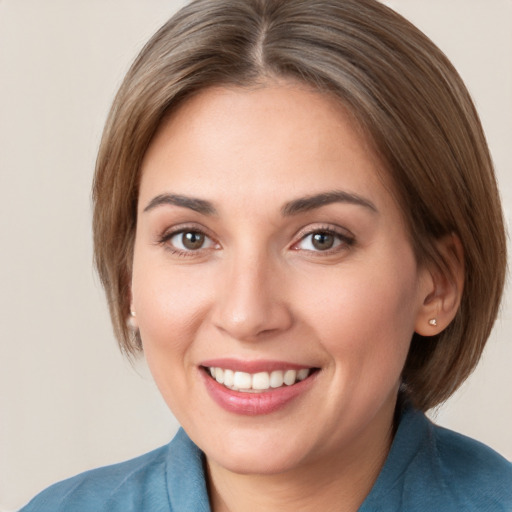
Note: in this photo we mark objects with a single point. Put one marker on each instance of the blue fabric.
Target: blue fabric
(428, 469)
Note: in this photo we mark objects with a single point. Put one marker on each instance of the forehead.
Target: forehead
(283, 134)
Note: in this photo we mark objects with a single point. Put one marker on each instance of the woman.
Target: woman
(293, 212)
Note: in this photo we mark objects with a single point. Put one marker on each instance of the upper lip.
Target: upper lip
(252, 366)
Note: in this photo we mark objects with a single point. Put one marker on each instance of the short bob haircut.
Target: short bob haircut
(404, 94)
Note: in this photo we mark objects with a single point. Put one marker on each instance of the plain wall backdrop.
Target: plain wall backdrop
(68, 400)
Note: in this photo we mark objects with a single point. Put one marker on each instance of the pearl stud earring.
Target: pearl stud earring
(433, 322)
(130, 321)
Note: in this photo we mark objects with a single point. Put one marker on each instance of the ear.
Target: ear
(443, 288)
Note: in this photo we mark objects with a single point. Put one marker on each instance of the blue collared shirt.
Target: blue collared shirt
(428, 469)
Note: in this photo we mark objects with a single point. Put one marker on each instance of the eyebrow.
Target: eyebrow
(192, 203)
(300, 205)
(304, 204)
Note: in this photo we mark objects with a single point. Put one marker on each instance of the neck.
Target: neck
(338, 482)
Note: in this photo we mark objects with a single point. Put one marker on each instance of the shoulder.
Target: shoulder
(127, 486)
(432, 468)
(480, 476)
(168, 479)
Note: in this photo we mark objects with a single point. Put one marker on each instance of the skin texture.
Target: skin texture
(258, 289)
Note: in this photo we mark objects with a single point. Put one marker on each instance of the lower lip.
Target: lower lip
(253, 404)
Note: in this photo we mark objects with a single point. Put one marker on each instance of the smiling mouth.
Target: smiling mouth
(259, 382)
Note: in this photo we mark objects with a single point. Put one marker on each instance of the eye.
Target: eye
(189, 241)
(323, 241)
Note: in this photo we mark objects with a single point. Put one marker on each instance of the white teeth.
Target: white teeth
(276, 379)
(302, 374)
(261, 381)
(242, 380)
(229, 377)
(219, 375)
(289, 377)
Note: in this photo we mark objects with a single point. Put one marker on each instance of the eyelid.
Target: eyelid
(169, 233)
(346, 238)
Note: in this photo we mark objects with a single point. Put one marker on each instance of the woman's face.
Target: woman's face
(270, 252)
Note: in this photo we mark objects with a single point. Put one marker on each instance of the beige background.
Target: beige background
(68, 401)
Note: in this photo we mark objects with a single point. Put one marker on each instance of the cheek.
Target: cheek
(169, 304)
(365, 316)
(170, 307)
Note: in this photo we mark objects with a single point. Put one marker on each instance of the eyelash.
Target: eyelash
(167, 236)
(345, 241)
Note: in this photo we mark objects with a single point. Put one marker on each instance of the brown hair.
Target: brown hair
(404, 93)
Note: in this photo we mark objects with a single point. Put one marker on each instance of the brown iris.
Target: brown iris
(322, 241)
(192, 240)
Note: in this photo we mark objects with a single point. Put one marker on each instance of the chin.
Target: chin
(255, 463)
(257, 453)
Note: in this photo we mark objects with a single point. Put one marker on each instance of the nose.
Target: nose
(251, 302)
